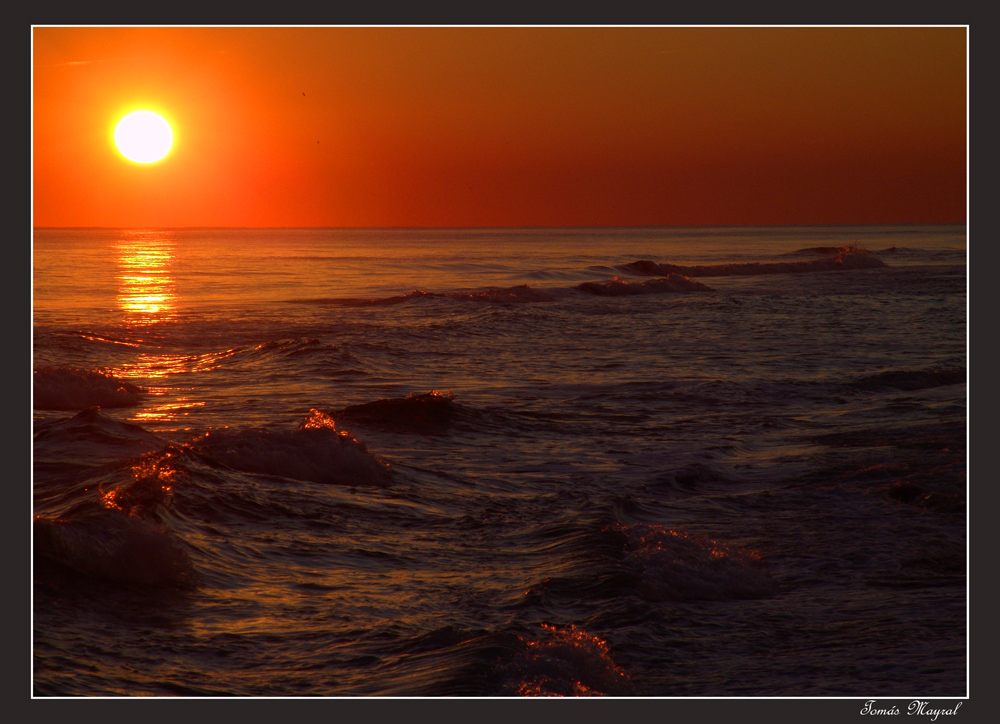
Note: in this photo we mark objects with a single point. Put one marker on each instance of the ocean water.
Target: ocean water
(500, 462)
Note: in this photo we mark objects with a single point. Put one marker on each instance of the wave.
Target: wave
(104, 522)
(909, 380)
(898, 254)
(846, 258)
(672, 283)
(507, 295)
(563, 661)
(315, 452)
(937, 498)
(915, 253)
(293, 348)
(497, 295)
(117, 539)
(358, 302)
(834, 251)
(93, 423)
(89, 437)
(669, 565)
(69, 388)
(563, 274)
(819, 251)
(311, 354)
(527, 661)
(427, 413)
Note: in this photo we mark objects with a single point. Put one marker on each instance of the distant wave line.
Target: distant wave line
(840, 258)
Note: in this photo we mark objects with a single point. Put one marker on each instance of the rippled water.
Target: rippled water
(500, 462)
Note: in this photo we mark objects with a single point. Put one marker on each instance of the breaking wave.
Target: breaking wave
(563, 661)
(68, 388)
(114, 546)
(376, 302)
(848, 257)
(670, 565)
(431, 412)
(496, 295)
(92, 438)
(316, 452)
(115, 534)
(672, 283)
(508, 295)
(818, 251)
(109, 529)
(293, 348)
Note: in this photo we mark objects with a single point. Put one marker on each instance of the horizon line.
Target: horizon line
(539, 226)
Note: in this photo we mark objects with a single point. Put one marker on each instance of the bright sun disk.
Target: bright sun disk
(143, 137)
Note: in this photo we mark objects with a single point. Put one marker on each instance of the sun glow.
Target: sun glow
(143, 137)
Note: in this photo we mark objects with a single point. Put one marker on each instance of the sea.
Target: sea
(624, 462)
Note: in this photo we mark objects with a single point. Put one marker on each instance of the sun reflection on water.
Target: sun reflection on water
(167, 411)
(147, 296)
(146, 292)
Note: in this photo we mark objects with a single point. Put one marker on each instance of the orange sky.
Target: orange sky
(503, 126)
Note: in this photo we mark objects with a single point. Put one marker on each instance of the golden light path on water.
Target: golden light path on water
(147, 296)
(146, 290)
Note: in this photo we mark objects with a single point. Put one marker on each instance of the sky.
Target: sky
(494, 126)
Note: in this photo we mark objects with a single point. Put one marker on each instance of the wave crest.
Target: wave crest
(564, 661)
(670, 565)
(848, 257)
(672, 283)
(315, 452)
(376, 302)
(69, 388)
(503, 295)
(114, 546)
(431, 412)
(498, 295)
(821, 251)
(91, 438)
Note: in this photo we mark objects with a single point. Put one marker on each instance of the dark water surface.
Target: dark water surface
(476, 463)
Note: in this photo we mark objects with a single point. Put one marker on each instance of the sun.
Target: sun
(143, 137)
